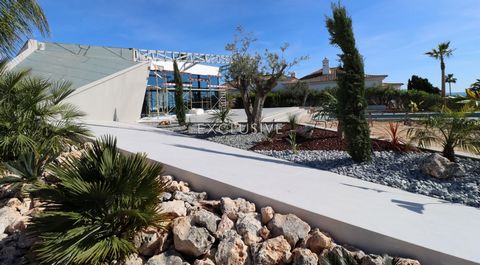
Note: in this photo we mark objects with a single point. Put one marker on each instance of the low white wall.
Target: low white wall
(117, 97)
(344, 233)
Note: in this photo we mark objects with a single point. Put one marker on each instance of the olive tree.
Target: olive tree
(255, 74)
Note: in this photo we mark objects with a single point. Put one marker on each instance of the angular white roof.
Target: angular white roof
(191, 68)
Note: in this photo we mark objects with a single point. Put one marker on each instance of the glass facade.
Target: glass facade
(200, 91)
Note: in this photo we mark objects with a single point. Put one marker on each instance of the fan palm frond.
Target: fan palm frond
(19, 19)
(98, 203)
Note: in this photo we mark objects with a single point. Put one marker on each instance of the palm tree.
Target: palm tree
(449, 129)
(97, 205)
(450, 79)
(19, 19)
(34, 116)
(473, 95)
(440, 53)
(475, 86)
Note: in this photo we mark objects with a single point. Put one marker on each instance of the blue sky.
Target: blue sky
(392, 35)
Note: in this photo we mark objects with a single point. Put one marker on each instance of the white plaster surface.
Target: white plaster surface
(370, 216)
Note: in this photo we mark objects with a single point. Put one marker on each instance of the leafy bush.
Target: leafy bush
(422, 84)
(402, 98)
(98, 203)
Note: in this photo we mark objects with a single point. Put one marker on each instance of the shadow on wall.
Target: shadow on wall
(411, 206)
(265, 159)
(364, 188)
(414, 206)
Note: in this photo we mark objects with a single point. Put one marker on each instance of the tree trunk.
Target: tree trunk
(248, 109)
(340, 129)
(449, 152)
(442, 67)
(257, 110)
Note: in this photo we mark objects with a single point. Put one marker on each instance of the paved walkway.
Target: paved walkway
(238, 115)
(371, 216)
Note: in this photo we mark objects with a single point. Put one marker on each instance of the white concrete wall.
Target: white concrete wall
(117, 97)
(28, 48)
(373, 83)
(364, 214)
(322, 85)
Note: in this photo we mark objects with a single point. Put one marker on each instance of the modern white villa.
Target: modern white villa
(124, 84)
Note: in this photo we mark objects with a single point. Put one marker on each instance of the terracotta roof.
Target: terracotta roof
(332, 76)
(318, 73)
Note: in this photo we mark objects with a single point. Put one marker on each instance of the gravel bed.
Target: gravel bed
(241, 141)
(398, 170)
(238, 140)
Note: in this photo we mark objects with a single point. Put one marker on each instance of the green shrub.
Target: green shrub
(33, 113)
(97, 204)
(351, 86)
(180, 108)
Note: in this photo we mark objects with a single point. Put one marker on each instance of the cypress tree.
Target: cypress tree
(351, 86)
(179, 104)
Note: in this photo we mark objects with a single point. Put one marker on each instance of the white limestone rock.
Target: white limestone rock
(248, 226)
(273, 251)
(150, 242)
(438, 166)
(204, 218)
(176, 208)
(233, 207)
(8, 216)
(225, 224)
(267, 214)
(232, 250)
(304, 256)
(191, 240)
(317, 241)
(190, 197)
(290, 226)
(170, 257)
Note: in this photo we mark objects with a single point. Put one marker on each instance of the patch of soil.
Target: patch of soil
(319, 139)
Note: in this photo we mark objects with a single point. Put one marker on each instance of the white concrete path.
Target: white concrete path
(367, 215)
(238, 115)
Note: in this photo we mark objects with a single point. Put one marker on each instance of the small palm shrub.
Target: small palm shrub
(33, 113)
(22, 173)
(97, 204)
(221, 116)
(292, 140)
(450, 130)
(270, 134)
(293, 122)
(35, 126)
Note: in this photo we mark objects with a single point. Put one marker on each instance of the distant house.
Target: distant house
(326, 77)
